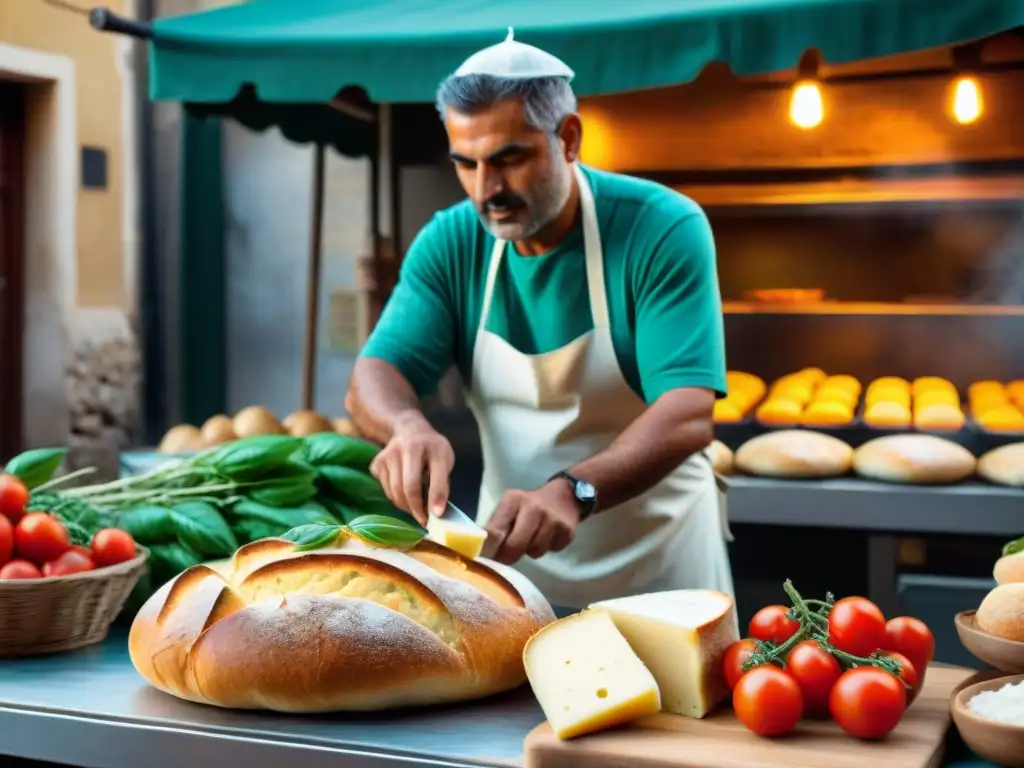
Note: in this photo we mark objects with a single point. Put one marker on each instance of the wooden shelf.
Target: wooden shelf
(871, 308)
(1008, 190)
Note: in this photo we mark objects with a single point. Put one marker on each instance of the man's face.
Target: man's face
(519, 178)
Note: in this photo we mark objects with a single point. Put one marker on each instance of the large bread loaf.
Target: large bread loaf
(351, 627)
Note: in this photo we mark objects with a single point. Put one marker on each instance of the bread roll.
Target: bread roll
(938, 417)
(779, 411)
(827, 413)
(887, 415)
(305, 423)
(218, 429)
(345, 427)
(794, 453)
(1001, 418)
(913, 459)
(351, 627)
(1009, 569)
(183, 438)
(727, 411)
(721, 457)
(1001, 613)
(1004, 465)
(256, 420)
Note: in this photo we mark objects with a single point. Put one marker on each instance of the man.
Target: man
(582, 309)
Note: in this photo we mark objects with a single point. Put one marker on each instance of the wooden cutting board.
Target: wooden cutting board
(720, 741)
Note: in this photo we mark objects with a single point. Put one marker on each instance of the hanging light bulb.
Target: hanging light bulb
(967, 102)
(806, 109)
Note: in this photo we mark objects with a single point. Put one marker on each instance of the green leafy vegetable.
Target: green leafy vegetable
(313, 536)
(355, 488)
(251, 520)
(1013, 547)
(168, 560)
(252, 456)
(331, 449)
(389, 531)
(342, 512)
(37, 466)
(203, 530)
(148, 524)
(283, 491)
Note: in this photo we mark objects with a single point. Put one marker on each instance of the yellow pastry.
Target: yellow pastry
(779, 411)
(827, 413)
(887, 415)
(939, 417)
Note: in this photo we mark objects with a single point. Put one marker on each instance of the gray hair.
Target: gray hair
(547, 101)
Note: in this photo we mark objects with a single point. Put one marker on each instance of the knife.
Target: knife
(452, 514)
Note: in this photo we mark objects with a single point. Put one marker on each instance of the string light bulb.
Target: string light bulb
(967, 101)
(806, 109)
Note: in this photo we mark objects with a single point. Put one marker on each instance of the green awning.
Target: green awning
(398, 50)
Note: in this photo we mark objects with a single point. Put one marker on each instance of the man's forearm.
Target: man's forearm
(676, 426)
(380, 399)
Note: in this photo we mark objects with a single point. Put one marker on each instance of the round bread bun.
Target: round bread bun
(721, 457)
(794, 453)
(256, 420)
(304, 423)
(345, 426)
(1001, 613)
(1009, 569)
(183, 438)
(348, 628)
(922, 459)
(218, 429)
(1004, 465)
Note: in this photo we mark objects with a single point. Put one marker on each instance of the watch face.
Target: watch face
(585, 491)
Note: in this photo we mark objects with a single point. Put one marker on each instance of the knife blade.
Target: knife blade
(452, 513)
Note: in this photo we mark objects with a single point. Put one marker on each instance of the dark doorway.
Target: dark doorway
(12, 265)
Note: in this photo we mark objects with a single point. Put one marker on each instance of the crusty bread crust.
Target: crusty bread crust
(913, 458)
(794, 453)
(351, 627)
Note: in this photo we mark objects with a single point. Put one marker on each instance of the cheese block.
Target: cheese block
(586, 677)
(681, 637)
(467, 540)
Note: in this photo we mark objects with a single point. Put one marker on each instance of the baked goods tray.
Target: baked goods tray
(972, 437)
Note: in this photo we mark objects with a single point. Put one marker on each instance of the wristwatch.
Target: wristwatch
(585, 493)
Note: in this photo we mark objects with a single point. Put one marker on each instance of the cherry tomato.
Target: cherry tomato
(867, 702)
(908, 674)
(857, 626)
(41, 538)
(67, 564)
(768, 701)
(13, 498)
(81, 550)
(735, 656)
(112, 546)
(772, 624)
(20, 569)
(816, 670)
(913, 639)
(6, 539)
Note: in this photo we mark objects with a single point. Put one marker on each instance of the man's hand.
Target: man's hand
(533, 522)
(414, 451)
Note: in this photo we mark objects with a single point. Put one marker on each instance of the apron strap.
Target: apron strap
(492, 276)
(594, 252)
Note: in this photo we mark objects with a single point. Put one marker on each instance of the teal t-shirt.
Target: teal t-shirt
(664, 305)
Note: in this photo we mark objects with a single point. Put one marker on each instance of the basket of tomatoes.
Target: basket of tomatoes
(835, 659)
(56, 595)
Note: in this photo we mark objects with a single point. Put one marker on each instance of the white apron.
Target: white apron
(540, 414)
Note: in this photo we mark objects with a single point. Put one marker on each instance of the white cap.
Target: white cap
(513, 59)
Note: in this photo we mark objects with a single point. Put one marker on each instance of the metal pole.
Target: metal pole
(313, 284)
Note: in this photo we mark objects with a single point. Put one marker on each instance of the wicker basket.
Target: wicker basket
(40, 616)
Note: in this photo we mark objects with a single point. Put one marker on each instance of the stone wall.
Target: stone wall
(104, 377)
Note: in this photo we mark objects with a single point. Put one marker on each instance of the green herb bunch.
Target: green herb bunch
(205, 506)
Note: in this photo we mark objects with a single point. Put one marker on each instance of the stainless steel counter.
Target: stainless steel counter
(91, 708)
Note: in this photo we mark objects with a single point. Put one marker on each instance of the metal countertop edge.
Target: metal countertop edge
(93, 742)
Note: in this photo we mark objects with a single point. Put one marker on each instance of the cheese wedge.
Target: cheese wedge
(467, 540)
(681, 637)
(586, 677)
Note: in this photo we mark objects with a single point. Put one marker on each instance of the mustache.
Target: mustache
(502, 201)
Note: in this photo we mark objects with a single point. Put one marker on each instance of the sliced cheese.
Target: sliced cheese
(467, 540)
(681, 637)
(586, 677)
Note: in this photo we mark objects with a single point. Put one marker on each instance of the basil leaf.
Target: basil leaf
(251, 456)
(252, 520)
(203, 530)
(37, 466)
(313, 536)
(148, 524)
(282, 492)
(354, 487)
(332, 449)
(168, 560)
(250, 530)
(389, 531)
(1013, 547)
